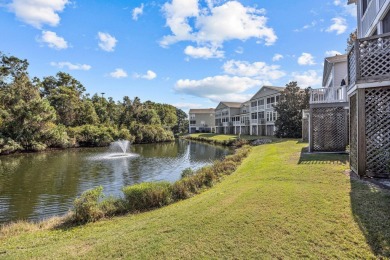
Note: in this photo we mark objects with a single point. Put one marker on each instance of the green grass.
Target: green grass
(220, 137)
(279, 203)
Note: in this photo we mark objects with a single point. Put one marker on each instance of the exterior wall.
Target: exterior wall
(370, 21)
(340, 72)
(205, 122)
(263, 126)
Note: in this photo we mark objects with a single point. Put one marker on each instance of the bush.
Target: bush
(187, 172)
(56, 136)
(87, 208)
(7, 146)
(147, 195)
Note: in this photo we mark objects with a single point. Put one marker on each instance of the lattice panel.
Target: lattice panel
(353, 117)
(330, 129)
(374, 57)
(377, 103)
(305, 129)
(352, 67)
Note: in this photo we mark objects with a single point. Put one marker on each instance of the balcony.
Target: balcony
(369, 60)
(328, 95)
(254, 109)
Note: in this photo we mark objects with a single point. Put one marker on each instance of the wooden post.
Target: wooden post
(357, 60)
(311, 145)
(361, 130)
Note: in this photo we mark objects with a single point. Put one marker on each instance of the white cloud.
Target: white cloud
(348, 9)
(339, 25)
(183, 105)
(203, 52)
(53, 40)
(70, 65)
(214, 25)
(277, 57)
(308, 78)
(331, 53)
(306, 59)
(149, 75)
(137, 12)
(218, 88)
(257, 70)
(106, 41)
(239, 50)
(307, 26)
(38, 12)
(118, 73)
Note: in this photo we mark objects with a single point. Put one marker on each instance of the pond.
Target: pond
(40, 185)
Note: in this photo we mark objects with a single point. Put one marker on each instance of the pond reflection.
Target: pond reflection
(40, 185)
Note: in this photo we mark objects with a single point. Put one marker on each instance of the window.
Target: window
(261, 115)
(193, 122)
(272, 116)
(386, 23)
(261, 102)
(365, 4)
(192, 116)
(254, 115)
(277, 99)
(254, 104)
(270, 102)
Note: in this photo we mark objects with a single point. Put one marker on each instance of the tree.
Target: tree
(65, 94)
(292, 101)
(351, 39)
(25, 117)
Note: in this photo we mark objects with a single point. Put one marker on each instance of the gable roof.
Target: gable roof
(224, 104)
(202, 111)
(328, 65)
(264, 88)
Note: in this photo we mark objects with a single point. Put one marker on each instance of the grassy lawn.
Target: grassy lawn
(220, 137)
(278, 204)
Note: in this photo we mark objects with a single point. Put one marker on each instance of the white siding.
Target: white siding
(340, 71)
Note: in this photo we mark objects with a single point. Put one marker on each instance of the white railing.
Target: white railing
(328, 95)
(254, 121)
(225, 123)
(236, 123)
(254, 109)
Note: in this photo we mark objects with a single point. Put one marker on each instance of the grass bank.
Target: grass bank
(227, 140)
(279, 203)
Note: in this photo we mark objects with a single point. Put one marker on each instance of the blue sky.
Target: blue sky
(189, 53)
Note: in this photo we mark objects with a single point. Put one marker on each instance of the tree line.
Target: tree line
(56, 112)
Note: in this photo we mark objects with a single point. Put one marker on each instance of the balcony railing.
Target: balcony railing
(328, 95)
(369, 60)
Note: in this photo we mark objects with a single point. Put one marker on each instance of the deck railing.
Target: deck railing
(369, 60)
(328, 95)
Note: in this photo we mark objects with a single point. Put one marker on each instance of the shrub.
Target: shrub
(7, 146)
(187, 172)
(87, 208)
(147, 195)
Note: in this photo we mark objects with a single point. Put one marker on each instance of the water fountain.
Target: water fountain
(118, 149)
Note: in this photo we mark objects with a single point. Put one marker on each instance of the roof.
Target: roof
(351, 2)
(337, 58)
(263, 88)
(202, 111)
(328, 65)
(232, 104)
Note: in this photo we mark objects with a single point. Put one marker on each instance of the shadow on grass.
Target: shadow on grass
(322, 158)
(371, 210)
